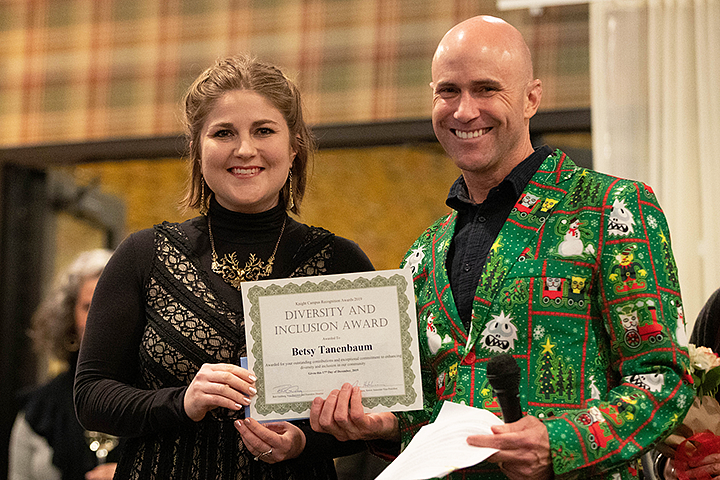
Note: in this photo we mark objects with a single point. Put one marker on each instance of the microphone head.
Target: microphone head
(503, 372)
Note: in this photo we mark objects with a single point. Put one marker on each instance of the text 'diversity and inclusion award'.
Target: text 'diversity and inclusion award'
(307, 336)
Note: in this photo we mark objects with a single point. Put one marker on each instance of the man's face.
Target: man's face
(480, 107)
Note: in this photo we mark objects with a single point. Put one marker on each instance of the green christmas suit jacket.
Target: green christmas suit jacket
(581, 287)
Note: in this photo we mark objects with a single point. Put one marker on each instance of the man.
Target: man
(526, 264)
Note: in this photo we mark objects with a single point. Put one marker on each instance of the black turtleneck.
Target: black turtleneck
(258, 234)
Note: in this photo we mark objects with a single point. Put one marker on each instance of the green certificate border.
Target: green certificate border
(254, 294)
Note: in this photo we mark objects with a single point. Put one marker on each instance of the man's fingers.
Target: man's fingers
(357, 411)
(525, 423)
(484, 441)
(327, 414)
(342, 405)
(342, 414)
(315, 410)
(326, 418)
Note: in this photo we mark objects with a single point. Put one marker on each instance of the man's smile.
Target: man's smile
(470, 134)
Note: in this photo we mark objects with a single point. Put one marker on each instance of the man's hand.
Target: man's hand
(524, 449)
(341, 414)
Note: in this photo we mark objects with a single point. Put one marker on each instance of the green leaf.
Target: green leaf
(711, 381)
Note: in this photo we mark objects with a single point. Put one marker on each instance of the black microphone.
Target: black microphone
(503, 373)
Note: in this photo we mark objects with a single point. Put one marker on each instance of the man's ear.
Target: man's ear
(533, 95)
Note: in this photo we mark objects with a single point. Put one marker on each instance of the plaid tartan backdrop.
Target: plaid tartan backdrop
(75, 70)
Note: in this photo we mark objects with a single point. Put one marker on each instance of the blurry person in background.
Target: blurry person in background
(47, 441)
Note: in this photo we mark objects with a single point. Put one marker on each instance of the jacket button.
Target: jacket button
(469, 359)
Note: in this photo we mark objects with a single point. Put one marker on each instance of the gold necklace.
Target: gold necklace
(229, 268)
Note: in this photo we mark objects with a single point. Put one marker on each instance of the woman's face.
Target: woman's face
(245, 152)
(82, 305)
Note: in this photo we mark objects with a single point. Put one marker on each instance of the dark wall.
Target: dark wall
(22, 239)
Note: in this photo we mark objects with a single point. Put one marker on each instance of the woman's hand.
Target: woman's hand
(218, 385)
(106, 471)
(271, 442)
(667, 447)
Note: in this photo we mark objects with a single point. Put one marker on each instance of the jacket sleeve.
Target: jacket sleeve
(637, 299)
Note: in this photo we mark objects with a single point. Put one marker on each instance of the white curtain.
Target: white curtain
(655, 79)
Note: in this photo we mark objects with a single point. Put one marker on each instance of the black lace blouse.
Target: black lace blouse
(159, 313)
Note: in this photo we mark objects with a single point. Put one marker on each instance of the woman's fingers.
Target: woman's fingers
(218, 385)
(271, 442)
(229, 375)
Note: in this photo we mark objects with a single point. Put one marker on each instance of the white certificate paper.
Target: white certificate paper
(307, 336)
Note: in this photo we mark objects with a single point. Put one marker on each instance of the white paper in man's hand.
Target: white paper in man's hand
(441, 447)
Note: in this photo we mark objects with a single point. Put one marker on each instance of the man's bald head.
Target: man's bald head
(494, 35)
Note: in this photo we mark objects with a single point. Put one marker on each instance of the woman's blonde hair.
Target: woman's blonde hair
(246, 73)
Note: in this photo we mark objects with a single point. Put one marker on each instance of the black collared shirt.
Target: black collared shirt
(477, 227)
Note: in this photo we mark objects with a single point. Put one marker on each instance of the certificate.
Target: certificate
(307, 336)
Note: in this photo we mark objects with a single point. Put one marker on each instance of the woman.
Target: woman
(165, 333)
(706, 333)
(47, 442)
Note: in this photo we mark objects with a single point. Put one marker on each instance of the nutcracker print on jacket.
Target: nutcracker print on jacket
(582, 289)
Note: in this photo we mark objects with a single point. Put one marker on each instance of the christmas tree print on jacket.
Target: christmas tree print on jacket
(581, 288)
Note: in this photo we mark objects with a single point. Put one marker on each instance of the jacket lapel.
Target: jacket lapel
(441, 282)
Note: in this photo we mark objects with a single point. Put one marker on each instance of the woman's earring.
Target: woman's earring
(203, 205)
(291, 202)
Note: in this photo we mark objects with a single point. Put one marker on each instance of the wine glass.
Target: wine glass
(101, 444)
